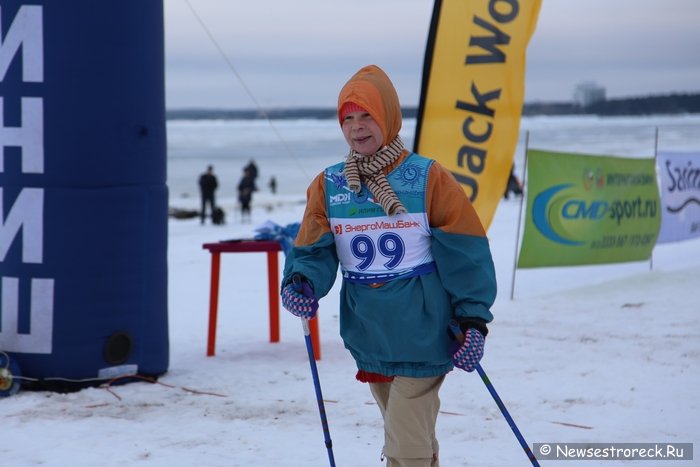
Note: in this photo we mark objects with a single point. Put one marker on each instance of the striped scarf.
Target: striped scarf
(368, 169)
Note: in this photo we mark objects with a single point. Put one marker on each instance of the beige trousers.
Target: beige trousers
(409, 407)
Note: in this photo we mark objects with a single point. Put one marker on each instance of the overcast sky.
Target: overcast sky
(299, 53)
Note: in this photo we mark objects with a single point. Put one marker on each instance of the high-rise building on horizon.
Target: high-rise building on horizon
(587, 93)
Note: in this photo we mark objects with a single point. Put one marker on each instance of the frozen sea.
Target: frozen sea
(294, 151)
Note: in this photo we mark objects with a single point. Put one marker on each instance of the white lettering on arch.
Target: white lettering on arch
(26, 30)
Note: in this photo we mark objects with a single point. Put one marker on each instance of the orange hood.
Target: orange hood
(371, 89)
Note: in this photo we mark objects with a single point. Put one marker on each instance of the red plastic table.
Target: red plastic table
(251, 246)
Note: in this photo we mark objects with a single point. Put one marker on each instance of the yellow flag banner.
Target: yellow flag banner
(472, 93)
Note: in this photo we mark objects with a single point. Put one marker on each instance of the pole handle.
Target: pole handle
(456, 331)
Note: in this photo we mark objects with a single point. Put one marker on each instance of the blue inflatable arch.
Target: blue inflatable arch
(83, 195)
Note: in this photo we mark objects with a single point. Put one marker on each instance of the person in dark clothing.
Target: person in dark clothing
(513, 185)
(273, 185)
(208, 184)
(246, 187)
(252, 169)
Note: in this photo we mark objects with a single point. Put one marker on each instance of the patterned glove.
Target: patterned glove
(298, 297)
(470, 352)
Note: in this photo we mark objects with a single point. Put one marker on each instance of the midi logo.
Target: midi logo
(341, 198)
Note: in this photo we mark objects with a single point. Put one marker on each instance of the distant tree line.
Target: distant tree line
(669, 104)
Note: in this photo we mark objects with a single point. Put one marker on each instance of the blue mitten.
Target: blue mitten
(298, 297)
(470, 352)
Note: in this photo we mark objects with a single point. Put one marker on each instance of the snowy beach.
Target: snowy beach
(592, 354)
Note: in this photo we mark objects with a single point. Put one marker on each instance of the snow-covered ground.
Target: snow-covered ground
(593, 354)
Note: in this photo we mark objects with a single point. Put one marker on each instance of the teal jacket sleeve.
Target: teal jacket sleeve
(317, 262)
(460, 247)
(314, 255)
(467, 273)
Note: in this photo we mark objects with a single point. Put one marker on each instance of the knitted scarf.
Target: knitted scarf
(368, 169)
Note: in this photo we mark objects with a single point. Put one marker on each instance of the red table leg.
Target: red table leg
(273, 295)
(213, 302)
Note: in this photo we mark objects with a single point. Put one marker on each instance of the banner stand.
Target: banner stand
(656, 153)
(520, 216)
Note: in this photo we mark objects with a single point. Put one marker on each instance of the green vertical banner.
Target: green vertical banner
(584, 209)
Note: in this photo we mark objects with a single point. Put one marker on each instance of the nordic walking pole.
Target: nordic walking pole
(507, 416)
(317, 384)
(459, 336)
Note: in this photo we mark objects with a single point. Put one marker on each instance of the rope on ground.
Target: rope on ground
(108, 386)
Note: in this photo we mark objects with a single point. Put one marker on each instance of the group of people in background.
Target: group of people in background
(209, 183)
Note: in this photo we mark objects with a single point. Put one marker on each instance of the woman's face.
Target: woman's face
(362, 133)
